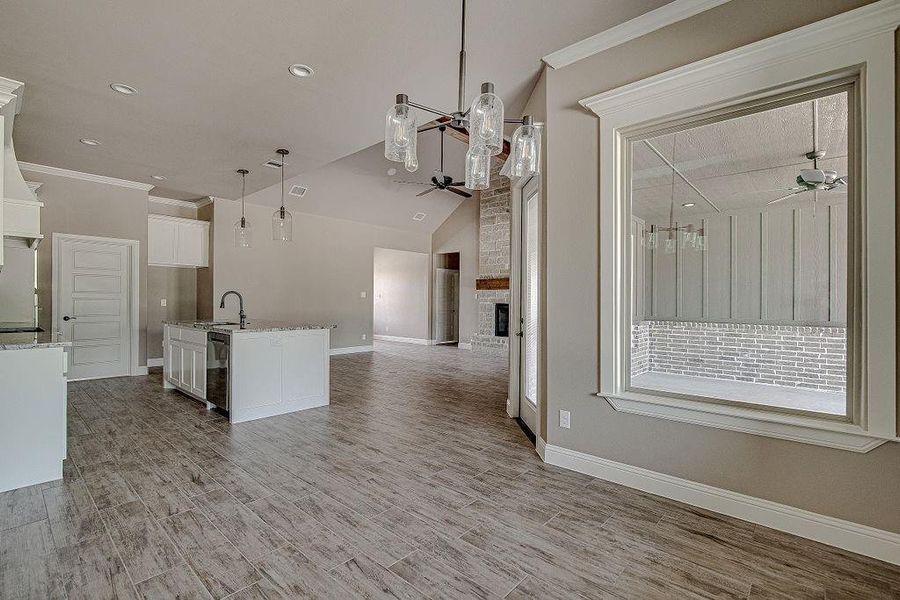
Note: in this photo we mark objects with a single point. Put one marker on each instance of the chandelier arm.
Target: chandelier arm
(429, 109)
(461, 103)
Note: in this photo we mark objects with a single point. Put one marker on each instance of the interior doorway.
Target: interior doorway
(445, 320)
(529, 309)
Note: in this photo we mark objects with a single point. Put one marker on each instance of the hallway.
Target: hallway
(413, 483)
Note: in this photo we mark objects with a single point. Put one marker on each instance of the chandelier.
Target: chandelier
(482, 121)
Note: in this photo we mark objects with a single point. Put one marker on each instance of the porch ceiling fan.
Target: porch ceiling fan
(812, 180)
(440, 181)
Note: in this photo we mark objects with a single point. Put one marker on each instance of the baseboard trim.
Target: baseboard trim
(154, 362)
(464, 346)
(351, 350)
(541, 448)
(862, 539)
(403, 340)
(141, 370)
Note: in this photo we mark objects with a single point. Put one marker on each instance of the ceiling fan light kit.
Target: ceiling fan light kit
(483, 121)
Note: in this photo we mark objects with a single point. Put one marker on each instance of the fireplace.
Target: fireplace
(501, 320)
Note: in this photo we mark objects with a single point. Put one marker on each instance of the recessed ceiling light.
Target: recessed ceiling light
(298, 70)
(392, 171)
(688, 204)
(123, 89)
(89, 141)
(158, 177)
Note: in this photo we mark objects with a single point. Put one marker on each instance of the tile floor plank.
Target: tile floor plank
(143, 545)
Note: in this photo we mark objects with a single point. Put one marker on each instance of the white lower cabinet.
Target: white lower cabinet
(185, 363)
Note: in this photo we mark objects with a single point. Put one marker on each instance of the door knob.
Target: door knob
(68, 318)
(521, 333)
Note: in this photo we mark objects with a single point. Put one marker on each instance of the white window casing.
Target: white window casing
(858, 45)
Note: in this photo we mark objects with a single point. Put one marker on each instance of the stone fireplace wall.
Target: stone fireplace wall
(493, 258)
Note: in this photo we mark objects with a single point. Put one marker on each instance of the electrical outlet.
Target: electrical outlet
(364, 337)
(565, 419)
(362, 294)
(162, 301)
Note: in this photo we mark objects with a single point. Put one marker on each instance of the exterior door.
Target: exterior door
(93, 304)
(446, 302)
(528, 310)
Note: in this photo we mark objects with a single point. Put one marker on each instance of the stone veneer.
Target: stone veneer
(493, 258)
(788, 355)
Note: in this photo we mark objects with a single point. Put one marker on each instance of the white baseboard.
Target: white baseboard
(862, 539)
(154, 362)
(141, 370)
(404, 340)
(541, 447)
(465, 346)
(351, 350)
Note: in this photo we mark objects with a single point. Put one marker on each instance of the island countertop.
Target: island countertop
(40, 339)
(256, 325)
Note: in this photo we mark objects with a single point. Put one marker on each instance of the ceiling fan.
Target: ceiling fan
(815, 179)
(440, 181)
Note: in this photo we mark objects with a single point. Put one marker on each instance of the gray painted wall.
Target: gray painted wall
(400, 298)
(316, 278)
(459, 233)
(842, 484)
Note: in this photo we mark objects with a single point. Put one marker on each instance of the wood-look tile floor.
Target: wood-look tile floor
(412, 484)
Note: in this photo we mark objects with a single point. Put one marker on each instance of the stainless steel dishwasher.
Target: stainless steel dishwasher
(218, 364)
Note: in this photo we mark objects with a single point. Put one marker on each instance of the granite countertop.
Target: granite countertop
(24, 341)
(253, 325)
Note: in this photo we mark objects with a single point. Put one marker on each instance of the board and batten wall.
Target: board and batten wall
(861, 488)
(783, 264)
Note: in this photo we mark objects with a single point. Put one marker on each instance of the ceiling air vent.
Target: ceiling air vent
(420, 216)
(298, 190)
(273, 164)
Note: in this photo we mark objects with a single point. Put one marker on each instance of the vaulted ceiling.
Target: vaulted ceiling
(214, 89)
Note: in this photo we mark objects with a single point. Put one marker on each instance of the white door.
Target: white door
(93, 304)
(528, 311)
(446, 303)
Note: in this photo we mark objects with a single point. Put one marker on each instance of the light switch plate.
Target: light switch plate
(364, 337)
(565, 419)
(362, 294)
(162, 302)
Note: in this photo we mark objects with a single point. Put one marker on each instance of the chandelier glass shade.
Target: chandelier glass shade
(525, 150)
(400, 134)
(243, 237)
(478, 169)
(282, 221)
(486, 122)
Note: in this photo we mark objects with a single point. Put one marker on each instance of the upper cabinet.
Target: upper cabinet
(177, 242)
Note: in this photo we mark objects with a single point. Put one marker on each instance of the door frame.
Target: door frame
(517, 187)
(134, 290)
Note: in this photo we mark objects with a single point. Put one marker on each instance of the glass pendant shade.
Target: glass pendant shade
(411, 161)
(282, 225)
(486, 121)
(242, 234)
(478, 169)
(399, 133)
(525, 151)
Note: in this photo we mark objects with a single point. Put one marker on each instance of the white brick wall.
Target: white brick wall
(788, 355)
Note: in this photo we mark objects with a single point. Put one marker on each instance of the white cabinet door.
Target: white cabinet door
(191, 247)
(161, 242)
(186, 380)
(174, 366)
(198, 385)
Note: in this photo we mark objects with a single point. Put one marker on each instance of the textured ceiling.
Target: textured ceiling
(740, 163)
(215, 93)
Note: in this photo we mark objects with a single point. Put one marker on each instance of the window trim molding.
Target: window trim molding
(859, 41)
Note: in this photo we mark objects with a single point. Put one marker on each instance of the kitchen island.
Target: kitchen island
(33, 405)
(265, 369)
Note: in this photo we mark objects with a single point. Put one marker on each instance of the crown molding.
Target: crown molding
(861, 23)
(629, 30)
(172, 202)
(10, 90)
(47, 170)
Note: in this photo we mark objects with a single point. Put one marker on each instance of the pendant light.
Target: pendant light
(282, 221)
(482, 122)
(242, 233)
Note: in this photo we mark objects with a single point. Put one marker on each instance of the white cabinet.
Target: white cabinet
(177, 242)
(184, 361)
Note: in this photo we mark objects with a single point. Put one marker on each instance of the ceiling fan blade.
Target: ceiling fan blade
(425, 128)
(459, 192)
(412, 182)
(456, 183)
(786, 197)
(428, 191)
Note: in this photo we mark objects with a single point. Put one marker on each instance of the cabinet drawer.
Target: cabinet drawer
(193, 336)
(174, 332)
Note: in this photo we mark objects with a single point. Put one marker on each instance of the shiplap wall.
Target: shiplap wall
(782, 264)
